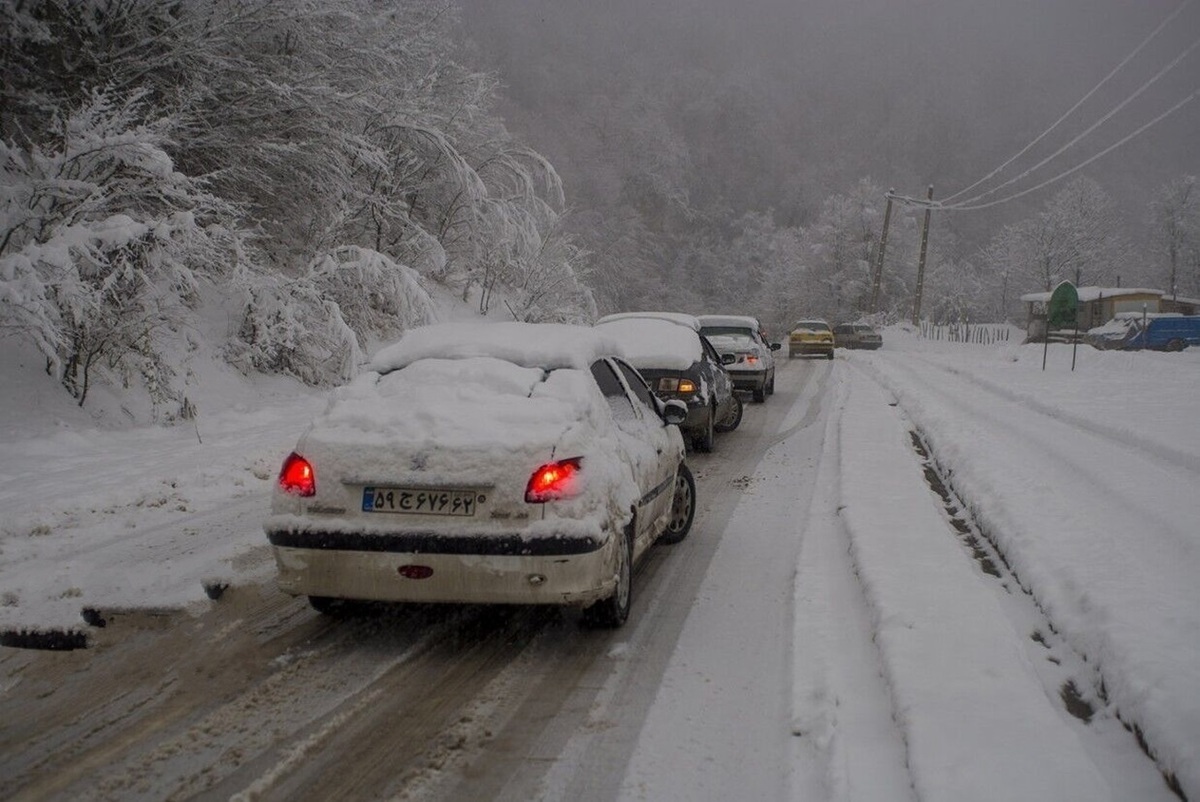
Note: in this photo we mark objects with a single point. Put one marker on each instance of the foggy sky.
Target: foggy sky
(909, 92)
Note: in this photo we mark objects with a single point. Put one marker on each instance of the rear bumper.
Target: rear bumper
(748, 379)
(466, 570)
(810, 348)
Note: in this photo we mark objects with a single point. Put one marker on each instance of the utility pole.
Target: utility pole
(877, 279)
(916, 317)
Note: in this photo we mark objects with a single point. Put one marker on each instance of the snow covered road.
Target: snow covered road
(929, 572)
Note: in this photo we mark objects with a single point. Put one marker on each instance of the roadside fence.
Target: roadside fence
(964, 331)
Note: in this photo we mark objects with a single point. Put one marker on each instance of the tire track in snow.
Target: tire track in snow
(1086, 464)
(843, 710)
(1083, 466)
(1157, 451)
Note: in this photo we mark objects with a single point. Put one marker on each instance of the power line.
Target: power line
(1072, 110)
(1088, 130)
(963, 207)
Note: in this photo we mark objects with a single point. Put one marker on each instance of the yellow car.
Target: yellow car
(811, 337)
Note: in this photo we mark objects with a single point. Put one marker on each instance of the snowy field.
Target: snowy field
(1072, 490)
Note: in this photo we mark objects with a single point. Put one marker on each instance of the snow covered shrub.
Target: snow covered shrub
(376, 295)
(311, 326)
(421, 251)
(288, 326)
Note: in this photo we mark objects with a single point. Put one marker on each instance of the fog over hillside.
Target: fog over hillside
(781, 103)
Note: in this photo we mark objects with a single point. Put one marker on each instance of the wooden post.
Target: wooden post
(877, 279)
(921, 263)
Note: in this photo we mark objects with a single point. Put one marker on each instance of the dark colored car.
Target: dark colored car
(678, 362)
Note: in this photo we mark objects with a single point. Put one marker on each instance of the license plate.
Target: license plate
(419, 501)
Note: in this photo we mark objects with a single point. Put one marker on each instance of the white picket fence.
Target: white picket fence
(966, 332)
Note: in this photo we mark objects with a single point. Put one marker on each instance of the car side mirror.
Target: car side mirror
(674, 412)
(728, 359)
(776, 346)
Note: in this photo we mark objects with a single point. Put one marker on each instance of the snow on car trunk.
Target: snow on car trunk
(476, 425)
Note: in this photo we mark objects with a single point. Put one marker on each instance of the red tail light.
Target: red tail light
(297, 476)
(751, 359)
(553, 481)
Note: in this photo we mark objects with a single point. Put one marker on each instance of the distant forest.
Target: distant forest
(737, 155)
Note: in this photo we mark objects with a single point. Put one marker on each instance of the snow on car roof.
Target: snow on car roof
(730, 320)
(653, 343)
(533, 345)
(679, 318)
(808, 324)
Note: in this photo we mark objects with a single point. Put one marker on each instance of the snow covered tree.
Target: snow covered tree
(1005, 260)
(1076, 236)
(1176, 220)
(844, 242)
(142, 140)
(103, 244)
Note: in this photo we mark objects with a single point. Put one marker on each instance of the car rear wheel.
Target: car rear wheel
(771, 384)
(732, 418)
(1176, 345)
(683, 507)
(612, 612)
(760, 395)
(830, 354)
(702, 441)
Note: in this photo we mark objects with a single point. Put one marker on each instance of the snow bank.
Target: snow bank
(970, 704)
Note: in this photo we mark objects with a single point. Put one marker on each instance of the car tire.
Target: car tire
(1176, 345)
(732, 418)
(683, 507)
(760, 395)
(829, 355)
(771, 384)
(612, 612)
(702, 441)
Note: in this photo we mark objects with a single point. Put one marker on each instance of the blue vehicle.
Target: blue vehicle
(1158, 332)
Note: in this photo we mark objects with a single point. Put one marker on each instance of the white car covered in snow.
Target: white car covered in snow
(484, 463)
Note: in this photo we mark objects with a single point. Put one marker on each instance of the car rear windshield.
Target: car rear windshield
(717, 331)
(737, 339)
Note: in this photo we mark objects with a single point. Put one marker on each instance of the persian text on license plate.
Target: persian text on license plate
(424, 501)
